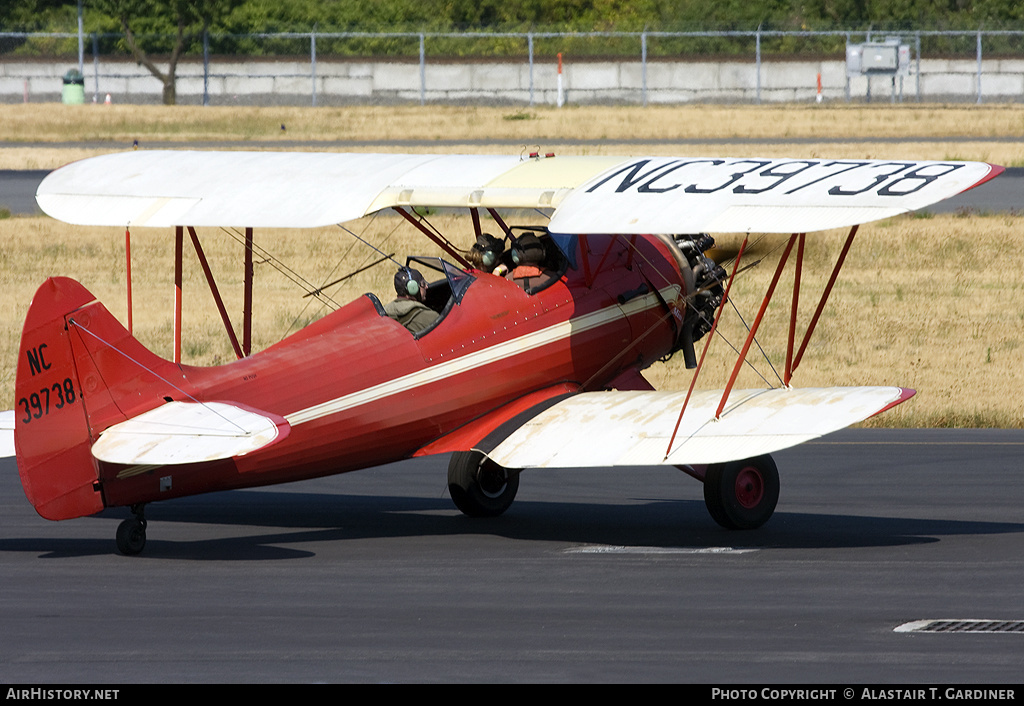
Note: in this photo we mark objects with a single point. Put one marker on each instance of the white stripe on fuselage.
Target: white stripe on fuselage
(501, 351)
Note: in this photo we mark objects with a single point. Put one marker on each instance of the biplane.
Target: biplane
(508, 377)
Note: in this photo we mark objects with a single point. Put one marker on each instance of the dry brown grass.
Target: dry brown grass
(123, 123)
(1009, 153)
(936, 304)
(116, 127)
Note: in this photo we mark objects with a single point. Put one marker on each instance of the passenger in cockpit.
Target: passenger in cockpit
(531, 273)
(486, 255)
(409, 308)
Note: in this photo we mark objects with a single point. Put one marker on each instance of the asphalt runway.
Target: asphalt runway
(591, 576)
(18, 190)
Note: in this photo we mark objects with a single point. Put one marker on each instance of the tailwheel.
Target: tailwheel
(478, 486)
(742, 494)
(131, 534)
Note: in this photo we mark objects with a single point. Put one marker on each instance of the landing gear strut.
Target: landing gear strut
(742, 494)
(131, 534)
(478, 486)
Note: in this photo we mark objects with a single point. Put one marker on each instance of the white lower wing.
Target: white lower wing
(186, 432)
(598, 429)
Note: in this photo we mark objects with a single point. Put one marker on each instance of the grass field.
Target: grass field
(983, 133)
(930, 302)
(120, 123)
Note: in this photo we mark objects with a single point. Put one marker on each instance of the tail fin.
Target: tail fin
(74, 381)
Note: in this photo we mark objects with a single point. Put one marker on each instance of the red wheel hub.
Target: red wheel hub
(749, 487)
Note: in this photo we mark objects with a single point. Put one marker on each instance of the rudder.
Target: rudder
(51, 432)
(79, 371)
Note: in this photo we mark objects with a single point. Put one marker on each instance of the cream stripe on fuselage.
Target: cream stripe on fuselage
(478, 359)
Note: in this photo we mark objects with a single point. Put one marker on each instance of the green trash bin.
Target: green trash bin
(73, 92)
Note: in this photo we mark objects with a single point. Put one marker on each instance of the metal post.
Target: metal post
(95, 67)
(423, 71)
(81, 42)
(206, 66)
(917, 46)
(847, 71)
(979, 67)
(312, 58)
(529, 49)
(867, 76)
(643, 66)
(758, 63)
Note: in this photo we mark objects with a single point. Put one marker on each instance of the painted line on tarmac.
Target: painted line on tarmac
(612, 549)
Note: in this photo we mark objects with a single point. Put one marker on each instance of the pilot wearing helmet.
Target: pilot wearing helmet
(409, 308)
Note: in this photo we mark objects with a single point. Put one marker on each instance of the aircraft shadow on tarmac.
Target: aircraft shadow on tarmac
(312, 517)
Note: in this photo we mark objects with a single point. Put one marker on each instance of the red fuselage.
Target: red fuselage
(356, 389)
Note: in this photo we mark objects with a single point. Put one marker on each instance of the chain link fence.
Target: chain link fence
(642, 68)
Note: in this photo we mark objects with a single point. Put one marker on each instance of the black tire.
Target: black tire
(478, 486)
(742, 494)
(131, 536)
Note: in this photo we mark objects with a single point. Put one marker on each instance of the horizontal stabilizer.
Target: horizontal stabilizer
(187, 432)
(598, 429)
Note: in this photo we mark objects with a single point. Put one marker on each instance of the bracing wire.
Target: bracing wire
(154, 374)
(278, 265)
(739, 315)
(316, 291)
(371, 245)
(718, 332)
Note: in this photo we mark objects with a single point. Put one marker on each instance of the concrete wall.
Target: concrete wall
(351, 82)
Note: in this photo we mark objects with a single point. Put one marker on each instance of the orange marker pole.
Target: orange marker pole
(128, 273)
(561, 95)
(178, 247)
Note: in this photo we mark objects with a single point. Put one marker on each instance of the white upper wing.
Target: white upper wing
(587, 194)
(663, 194)
(293, 189)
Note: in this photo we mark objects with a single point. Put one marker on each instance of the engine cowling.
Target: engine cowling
(704, 284)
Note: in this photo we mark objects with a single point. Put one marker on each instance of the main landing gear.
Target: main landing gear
(478, 486)
(742, 494)
(738, 494)
(131, 534)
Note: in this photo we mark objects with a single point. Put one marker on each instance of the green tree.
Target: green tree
(37, 15)
(34, 16)
(146, 24)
